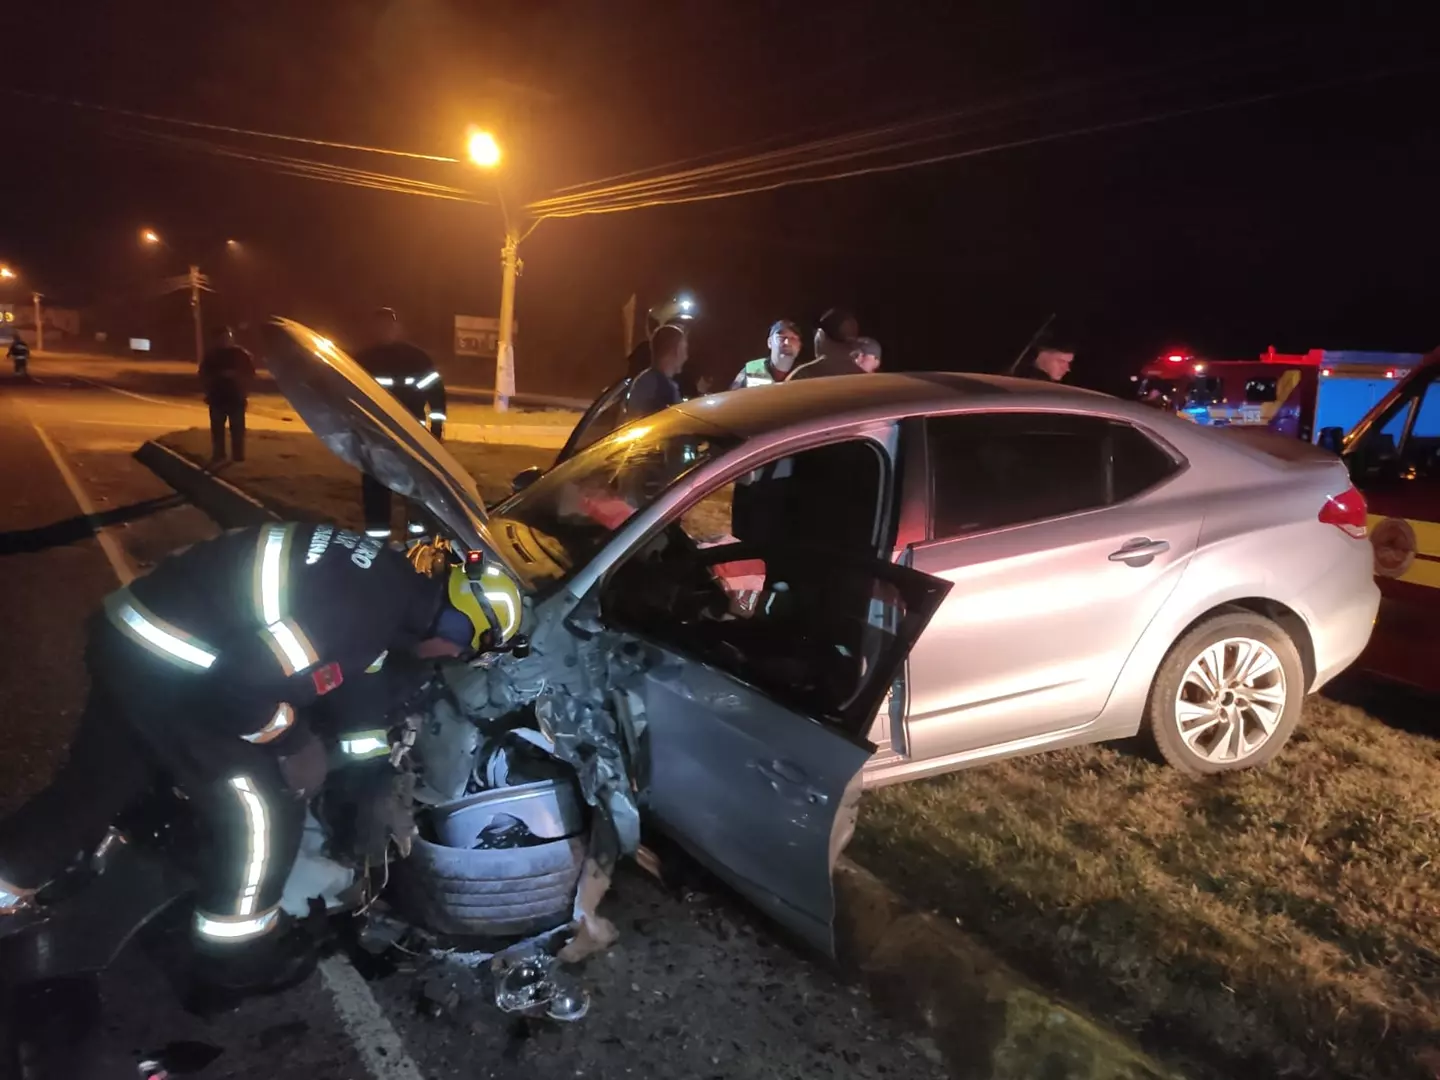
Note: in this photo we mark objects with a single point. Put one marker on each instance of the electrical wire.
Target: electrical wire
(642, 202)
(654, 177)
(155, 118)
(314, 170)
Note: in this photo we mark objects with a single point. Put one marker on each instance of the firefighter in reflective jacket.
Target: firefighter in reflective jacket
(407, 371)
(217, 671)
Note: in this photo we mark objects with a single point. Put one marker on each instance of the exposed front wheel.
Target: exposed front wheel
(1227, 695)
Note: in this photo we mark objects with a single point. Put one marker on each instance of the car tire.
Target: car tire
(1259, 690)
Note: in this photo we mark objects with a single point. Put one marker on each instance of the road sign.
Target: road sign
(477, 335)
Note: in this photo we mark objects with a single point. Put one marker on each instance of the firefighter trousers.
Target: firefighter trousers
(144, 725)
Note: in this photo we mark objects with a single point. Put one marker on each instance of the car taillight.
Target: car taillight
(1346, 512)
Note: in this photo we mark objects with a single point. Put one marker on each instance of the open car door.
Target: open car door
(604, 415)
(757, 704)
(363, 424)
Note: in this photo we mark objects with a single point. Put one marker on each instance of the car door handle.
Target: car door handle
(1140, 551)
(788, 781)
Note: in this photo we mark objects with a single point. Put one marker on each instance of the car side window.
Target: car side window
(990, 471)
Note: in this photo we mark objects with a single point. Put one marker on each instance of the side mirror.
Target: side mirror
(1332, 439)
(524, 479)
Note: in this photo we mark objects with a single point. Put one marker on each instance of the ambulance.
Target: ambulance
(1393, 455)
(1295, 394)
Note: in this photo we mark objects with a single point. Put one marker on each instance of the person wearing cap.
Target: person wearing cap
(834, 342)
(226, 372)
(410, 375)
(866, 354)
(784, 343)
(228, 671)
(657, 387)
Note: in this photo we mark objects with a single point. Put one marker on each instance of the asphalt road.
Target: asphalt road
(695, 987)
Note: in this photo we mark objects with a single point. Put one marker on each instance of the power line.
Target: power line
(654, 178)
(251, 133)
(640, 202)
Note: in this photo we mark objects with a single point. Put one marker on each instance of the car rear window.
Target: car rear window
(993, 470)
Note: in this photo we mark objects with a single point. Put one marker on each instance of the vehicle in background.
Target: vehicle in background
(1294, 394)
(1394, 458)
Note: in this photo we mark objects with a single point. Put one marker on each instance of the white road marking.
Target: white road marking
(369, 1029)
(137, 397)
(108, 544)
(375, 1038)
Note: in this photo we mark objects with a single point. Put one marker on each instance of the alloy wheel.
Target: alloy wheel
(1231, 699)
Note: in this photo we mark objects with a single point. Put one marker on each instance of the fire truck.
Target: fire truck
(1296, 394)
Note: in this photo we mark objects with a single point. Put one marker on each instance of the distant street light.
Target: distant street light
(485, 153)
(7, 273)
(194, 280)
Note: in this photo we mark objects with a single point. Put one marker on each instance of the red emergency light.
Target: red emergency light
(473, 557)
(1390, 374)
(1175, 358)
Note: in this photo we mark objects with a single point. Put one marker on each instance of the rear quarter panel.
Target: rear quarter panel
(1260, 495)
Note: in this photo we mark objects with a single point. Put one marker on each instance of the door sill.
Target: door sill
(891, 768)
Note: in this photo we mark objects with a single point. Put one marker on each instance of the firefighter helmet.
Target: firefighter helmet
(489, 598)
(678, 310)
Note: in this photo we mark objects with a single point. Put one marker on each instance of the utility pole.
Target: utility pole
(39, 326)
(505, 346)
(195, 313)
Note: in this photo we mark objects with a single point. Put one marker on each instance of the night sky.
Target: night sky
(1306, 220)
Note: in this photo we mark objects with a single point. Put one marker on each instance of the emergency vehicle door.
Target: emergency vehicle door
(1394, 458)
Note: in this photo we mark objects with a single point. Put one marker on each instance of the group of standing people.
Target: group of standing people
(839, 349)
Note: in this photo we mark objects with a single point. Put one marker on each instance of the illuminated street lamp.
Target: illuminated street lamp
(7, 274)
(194, 280)
(484, 152)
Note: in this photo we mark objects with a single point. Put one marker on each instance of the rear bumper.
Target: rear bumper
(1342, 619)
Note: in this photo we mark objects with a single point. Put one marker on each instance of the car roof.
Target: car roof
(883, 395)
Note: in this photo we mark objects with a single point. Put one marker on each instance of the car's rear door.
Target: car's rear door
(1061, 544)
(754, 712)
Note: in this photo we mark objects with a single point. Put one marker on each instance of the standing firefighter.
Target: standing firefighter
(219, 672)
(226, 373)
(407, 371)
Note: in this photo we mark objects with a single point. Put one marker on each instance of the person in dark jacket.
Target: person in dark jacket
(19, 354)
(1051, 364)
(835, 338)
(226, 373)
(656, 387)
(409, 374)
(224, 671)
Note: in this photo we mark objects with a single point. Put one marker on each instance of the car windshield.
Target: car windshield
(561, 521)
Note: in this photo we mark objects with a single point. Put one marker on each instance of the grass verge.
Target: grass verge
(1284, 922)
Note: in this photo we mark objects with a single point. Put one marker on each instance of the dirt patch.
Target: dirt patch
(1284, 922)
(298, 477)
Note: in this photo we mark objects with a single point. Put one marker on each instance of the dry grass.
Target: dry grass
(298, 477)
(1284, 922)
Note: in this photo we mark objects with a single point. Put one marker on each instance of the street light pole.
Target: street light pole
(485, 152)
(39, 326)
(195, 313)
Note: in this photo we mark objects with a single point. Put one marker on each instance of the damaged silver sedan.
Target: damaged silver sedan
(720, 690)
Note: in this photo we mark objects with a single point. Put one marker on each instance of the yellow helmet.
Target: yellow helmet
(489, 597)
